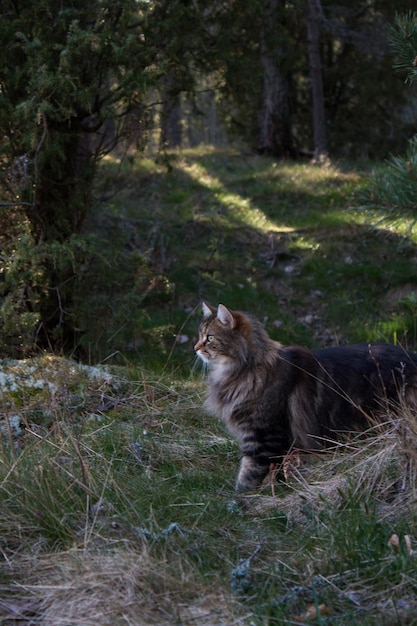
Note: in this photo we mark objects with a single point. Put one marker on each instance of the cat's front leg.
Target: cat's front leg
(251, 474)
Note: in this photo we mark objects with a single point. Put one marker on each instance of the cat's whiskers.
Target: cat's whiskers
(200, 363)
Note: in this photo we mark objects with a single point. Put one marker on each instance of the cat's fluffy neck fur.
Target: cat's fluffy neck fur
(235, 379)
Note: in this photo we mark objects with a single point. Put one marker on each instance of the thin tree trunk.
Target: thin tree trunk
(275, 132)
(313, 17)
(171, 131)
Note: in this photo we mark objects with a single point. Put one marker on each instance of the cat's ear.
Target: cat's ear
(207, 310)
(225, 317)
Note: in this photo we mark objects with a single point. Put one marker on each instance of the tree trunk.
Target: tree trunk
(62, 184)
(313, 18)
(275, 133)
(60, 198)
(171, 131)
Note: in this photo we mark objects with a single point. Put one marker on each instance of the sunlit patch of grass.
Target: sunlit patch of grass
(286, 241)
(240, 208)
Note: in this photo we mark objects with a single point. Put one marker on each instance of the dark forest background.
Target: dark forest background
(311, 80)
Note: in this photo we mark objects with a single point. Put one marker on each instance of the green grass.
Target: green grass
(131, 470)
(117, 503)
(289, 242)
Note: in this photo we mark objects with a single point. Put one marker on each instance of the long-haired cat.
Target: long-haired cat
(275, 398)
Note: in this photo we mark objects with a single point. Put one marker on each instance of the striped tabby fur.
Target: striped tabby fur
(275, 398)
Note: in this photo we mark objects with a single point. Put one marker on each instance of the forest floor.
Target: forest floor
(116, 490)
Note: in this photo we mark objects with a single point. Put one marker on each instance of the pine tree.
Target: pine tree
(68, 69)
(396, 188)
(71, 73)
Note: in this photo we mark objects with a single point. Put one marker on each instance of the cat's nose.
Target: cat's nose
(198, 346)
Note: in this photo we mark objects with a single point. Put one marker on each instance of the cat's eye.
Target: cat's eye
(210, 337)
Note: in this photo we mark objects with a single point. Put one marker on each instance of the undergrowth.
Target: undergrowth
(119, 508)
(289, 242)
(116, 490)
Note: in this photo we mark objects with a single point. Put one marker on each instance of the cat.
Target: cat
(274, 399)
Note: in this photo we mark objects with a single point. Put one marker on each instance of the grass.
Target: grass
(121, 510)
(116, 490)
(287, 241)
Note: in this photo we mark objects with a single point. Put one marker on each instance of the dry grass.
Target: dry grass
(124, 512)
(69, 475)
(122, 588)
(352, 511)
(382, 463)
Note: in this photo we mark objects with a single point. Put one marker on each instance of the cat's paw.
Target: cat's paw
(244, 486)
(251, 475)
